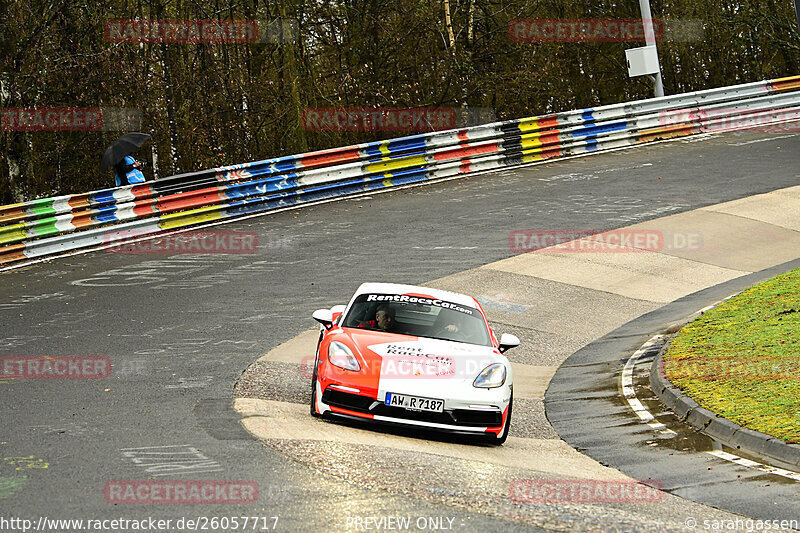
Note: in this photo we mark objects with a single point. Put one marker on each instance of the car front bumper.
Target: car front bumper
(469, 416)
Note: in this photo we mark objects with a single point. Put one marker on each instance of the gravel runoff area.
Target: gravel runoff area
(741, 359)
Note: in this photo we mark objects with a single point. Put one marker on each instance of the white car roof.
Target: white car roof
(397, 288)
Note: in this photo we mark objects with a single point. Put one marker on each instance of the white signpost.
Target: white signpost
(644, 61)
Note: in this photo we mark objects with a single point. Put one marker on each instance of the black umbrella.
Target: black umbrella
(125, 145)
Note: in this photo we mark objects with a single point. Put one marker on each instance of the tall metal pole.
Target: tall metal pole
(650, 40)
(797, 12)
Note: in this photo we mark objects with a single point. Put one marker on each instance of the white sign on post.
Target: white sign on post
(642, 61)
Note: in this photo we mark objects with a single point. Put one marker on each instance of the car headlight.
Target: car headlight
(341, 356)
(492, 376)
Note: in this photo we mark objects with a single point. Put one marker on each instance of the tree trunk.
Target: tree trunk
(11, 155)
(291, 75)
(448, 24)
(170, 98)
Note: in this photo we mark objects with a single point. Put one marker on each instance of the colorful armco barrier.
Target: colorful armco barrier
(54, 225)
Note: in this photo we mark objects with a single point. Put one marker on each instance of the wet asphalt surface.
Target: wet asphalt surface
(180, 329)
(584, 405)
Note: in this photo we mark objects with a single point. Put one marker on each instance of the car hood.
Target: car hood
(408, 357)
(386, 343)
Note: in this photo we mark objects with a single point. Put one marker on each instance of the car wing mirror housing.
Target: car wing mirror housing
(507, 341)
(324, 317)
(336, 311)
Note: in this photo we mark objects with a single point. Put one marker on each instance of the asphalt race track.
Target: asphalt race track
(606, 434)
(181, 329)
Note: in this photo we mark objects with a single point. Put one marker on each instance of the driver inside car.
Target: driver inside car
(384, 319)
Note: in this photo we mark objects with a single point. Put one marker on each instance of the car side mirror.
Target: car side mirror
(336, 311)
(324, 317)
(507, 341)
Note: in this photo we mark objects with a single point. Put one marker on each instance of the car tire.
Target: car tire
(314, 412)
(497, 441)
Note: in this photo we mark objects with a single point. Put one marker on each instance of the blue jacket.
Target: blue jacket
(134, 175)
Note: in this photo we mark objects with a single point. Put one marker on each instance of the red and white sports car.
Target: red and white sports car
(413, 356)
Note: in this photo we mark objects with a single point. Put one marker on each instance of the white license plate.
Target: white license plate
(414, 402)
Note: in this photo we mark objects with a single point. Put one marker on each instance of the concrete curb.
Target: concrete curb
(756, 444)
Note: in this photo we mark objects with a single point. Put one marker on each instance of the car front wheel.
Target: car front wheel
(503, 435)
(314, 412)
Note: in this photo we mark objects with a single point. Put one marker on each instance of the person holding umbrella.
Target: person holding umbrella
(126, 168)
(128, 171)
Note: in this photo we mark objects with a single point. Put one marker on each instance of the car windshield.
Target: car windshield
(419, 316)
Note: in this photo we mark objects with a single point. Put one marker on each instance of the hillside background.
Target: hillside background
(208, 105)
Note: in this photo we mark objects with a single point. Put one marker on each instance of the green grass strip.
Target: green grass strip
(742, 358)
